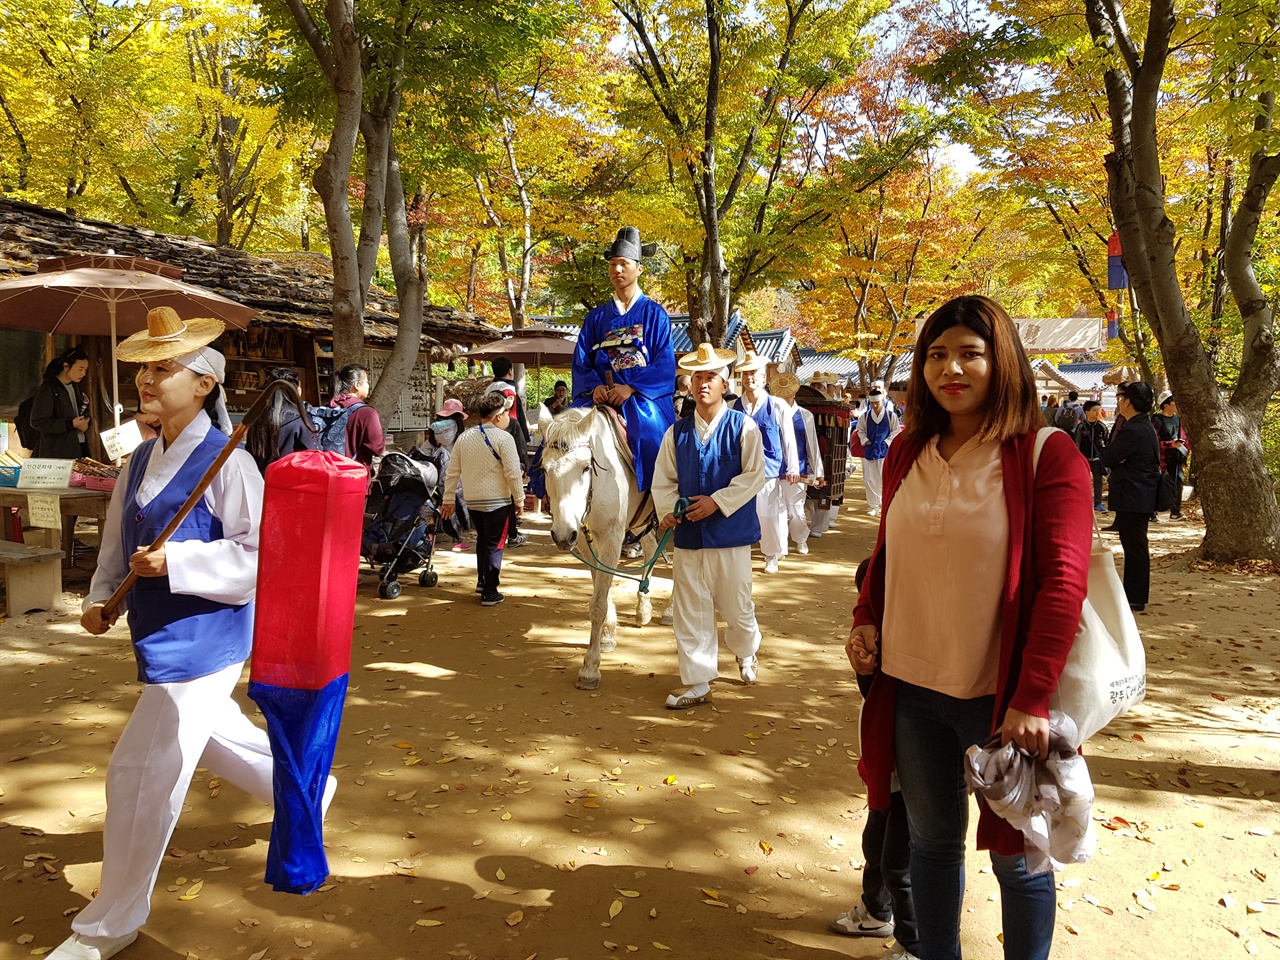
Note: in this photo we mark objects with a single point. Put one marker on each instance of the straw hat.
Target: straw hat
(784, 385)
(823, 377)
(752, 361)
(168, 336)
(707, 357)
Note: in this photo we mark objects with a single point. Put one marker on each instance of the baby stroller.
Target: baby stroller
(400, 537)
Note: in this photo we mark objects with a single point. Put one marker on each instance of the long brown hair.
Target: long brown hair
(1012, 405)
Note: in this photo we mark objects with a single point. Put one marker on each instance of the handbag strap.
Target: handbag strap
(1042, 435)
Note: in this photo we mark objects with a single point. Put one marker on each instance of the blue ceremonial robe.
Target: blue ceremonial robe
(637, 347)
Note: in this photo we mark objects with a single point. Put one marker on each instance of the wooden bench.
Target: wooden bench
(32, 577)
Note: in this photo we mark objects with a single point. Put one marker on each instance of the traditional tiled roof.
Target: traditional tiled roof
(846, 368)
(735, 329)
(777, 346)
(1085, 377)
(289, 289)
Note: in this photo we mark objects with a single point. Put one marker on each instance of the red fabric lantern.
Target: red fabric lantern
(308, 565)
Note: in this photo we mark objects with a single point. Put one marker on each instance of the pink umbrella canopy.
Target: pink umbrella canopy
(106, 295)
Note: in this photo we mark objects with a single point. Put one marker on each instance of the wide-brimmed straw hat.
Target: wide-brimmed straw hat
(707, 357)
(784, 385)
(168, 336)
(752, 361)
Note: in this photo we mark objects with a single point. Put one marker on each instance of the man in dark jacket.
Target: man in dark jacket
(1133, 457)
(365, 439)
(1091, 439)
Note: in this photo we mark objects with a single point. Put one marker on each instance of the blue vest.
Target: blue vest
(704, 468)
(877, 447)
(802, 445)
(768, 434)
(175, 637)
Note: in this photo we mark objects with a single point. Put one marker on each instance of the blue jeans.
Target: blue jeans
(931, 733)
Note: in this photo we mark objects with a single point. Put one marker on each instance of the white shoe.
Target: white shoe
(802, 547)
(856, 922)
(79, 947)
(873, 512)
(899, 952)
(771, 565)
(747, 667)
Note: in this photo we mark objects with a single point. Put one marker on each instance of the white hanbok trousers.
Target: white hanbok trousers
(821, 520)
(795, 495)
(873, 481)
(771, 509)
(705, 582)
(175, 728)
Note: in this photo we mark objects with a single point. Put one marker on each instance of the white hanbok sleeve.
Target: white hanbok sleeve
(113, 565)
(812, 449)
(666, 482)
(787, 433)
(743, 488)
(226, 570)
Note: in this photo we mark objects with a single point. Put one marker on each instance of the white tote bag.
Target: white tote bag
(1106, 671)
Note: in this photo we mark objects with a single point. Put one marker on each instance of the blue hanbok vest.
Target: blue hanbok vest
(877, 447)
(802, 444)
(704, 468)
(178, 637)
(768, 434)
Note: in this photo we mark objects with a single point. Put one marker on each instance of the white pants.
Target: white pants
(175, 728)
(797, 524)
(873, 481)
(706, 582)
(771, 509)
(821, 520)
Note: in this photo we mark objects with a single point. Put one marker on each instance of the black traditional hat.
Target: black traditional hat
(627, 244)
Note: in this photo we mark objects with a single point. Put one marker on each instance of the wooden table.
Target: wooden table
(73, 502)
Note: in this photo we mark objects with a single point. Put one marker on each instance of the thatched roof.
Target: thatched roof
(289, 290)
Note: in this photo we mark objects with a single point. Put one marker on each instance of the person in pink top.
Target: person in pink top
(969, 610)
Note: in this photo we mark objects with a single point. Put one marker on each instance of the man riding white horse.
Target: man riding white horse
(625, 359)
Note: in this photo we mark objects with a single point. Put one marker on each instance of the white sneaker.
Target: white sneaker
(802, 546)
(79, 947)
(771, 565)
(899, 952)
(858, 923)
(873, 512)
(747, 668)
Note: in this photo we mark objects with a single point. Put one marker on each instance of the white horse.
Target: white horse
(591, 485)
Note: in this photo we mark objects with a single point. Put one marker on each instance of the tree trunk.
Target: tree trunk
(411, 286)
(376, 128)
(1241, 515)
(339, 56)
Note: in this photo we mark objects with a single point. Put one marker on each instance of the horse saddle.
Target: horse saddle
(644, 516)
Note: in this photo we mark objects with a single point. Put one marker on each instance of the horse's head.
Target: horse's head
(568, 462)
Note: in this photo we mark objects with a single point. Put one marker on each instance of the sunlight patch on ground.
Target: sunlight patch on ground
(427, 671)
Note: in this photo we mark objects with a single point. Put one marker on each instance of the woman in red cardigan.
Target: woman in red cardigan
(969, 610)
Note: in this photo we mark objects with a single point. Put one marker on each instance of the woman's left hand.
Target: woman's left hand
(146, 562)
(1029, 732)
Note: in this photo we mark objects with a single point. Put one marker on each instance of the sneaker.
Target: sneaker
(459, 546)
(899, 952)
(771, 565)
(479, 589)
(632, 551)
(80, 947)
(1175, 516)
(858, 923)
(873, 512)
(519, 540)
(1099, 508)
(747, 667)
(802, 546)
(491, 599)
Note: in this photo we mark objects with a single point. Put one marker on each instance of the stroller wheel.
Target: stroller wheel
(389, 590)
(428, 578)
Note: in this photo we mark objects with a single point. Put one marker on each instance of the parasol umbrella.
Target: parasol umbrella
(67, 295)
(537, 345)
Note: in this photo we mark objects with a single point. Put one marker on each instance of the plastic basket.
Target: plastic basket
(9, 476)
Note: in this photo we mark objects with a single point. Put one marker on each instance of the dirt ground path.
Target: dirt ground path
(488, 809)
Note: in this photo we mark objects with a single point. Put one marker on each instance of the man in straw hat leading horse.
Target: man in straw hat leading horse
(715, 460)
(625, 358)
(191, 619)
(781, 466)
(808, 456)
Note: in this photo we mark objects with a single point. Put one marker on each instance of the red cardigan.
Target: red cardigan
(1050, 530)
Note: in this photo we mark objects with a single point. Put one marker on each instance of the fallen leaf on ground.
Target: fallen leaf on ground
(514, 917)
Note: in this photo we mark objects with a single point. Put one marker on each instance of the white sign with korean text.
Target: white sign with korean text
(45, 474)
(122, 440)
(45, 511)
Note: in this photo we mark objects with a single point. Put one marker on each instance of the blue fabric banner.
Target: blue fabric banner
(303, 728)
(1117, 276)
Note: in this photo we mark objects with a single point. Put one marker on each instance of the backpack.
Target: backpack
(332, 424)
(28, 436)
(1067, 418)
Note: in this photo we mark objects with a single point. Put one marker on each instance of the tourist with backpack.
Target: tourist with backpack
(280, 430)
(350, 426)
(59, 413)
(1070, 414)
